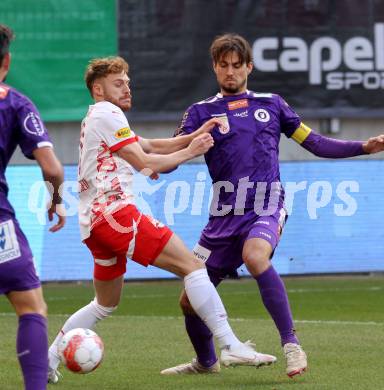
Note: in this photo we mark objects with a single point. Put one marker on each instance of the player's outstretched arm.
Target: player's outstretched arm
(329, 147)
(135, 155)
(171, 145)
(53, 173)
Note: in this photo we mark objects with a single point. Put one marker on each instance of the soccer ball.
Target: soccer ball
(81, 350)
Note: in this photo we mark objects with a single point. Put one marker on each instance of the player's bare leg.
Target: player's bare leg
(108, 292)
(29, 301)
(256, 256)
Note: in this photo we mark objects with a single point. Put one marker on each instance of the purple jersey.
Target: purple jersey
(246, 146)
(21, 125)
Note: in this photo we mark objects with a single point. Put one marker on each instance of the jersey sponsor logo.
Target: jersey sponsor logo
(242, 114)
(125, 132)
(224, 126)
(201, 253)
(33, 125)
(243, 103)
(3, 92)
(262, 115)
(9, 246)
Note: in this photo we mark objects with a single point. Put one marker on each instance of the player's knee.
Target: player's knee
(100, 311)
(256, 261)
(257, 251)
(255, 258)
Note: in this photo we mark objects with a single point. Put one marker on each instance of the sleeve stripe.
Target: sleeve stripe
(301, 133)
(119, 145)
(42, 144)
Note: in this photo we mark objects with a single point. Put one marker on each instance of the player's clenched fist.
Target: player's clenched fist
(201, 144)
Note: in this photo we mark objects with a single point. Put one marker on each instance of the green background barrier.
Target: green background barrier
(55, 39)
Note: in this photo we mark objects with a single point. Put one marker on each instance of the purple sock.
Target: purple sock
(202, 340)
(275, 300)
(32, 350)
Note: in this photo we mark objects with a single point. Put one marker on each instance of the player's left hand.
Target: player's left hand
(59, 210)
(374, 144)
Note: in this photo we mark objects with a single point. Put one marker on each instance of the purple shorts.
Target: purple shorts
(17, 271)
(222, 240)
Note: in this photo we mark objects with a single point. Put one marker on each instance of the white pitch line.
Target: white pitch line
(180, 318)
(290, 291)
(331, 322)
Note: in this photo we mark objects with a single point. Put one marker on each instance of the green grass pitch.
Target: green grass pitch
(340, 322)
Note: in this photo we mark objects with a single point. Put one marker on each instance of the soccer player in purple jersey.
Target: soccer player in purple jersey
(247, 212)
(21, 125)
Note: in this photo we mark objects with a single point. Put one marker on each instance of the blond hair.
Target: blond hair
(102, 67)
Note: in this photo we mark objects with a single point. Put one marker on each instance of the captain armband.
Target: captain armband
(301, 133)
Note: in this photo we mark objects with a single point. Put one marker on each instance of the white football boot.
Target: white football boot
(296, 359)
(53, 375)
(245, 355)
(194, 367)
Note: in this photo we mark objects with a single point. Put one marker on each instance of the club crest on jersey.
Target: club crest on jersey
(125, 132)
(224, 126)
(262, 115)
(243, 103)
(33, 124)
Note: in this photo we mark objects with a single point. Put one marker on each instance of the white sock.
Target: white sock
(86, 317)
(207, 304)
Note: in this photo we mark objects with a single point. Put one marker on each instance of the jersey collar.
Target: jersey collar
(240, 95)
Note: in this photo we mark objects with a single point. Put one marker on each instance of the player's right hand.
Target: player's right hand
(201, 144)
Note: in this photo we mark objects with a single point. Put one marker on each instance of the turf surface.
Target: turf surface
(340, 322)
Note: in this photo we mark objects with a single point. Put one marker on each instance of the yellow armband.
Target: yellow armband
(301, 133)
